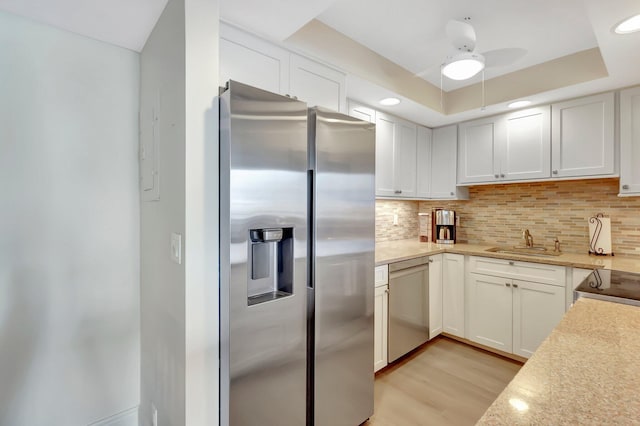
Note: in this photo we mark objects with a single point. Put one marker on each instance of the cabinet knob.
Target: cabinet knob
(496, 176)
(625, 186)
(511, 263)
(555, 172)
(507, 284)
(397, 191)
(430, 260)
(386, 290)
(501, 175)
(515, 285)
(451, 193)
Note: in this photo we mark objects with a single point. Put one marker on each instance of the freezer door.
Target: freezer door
(344, 165)
(263, 228)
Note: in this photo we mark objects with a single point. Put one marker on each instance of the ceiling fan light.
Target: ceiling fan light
(463, 66)
(629, 25)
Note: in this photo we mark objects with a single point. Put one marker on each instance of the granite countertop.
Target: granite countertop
(394, 251)
(586, 372)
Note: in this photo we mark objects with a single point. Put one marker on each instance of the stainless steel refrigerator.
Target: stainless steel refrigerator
(297, 210)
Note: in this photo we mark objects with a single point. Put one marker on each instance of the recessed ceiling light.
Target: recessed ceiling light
(629, 25)
(519, 104)
(389, 101)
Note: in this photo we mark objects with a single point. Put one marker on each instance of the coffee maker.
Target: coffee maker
(444, 226)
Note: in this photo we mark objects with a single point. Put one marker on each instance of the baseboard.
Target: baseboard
(124, 418)
(486, 348)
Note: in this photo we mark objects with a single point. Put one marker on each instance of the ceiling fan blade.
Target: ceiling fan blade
(462, 35)
(503, 57)
(425, 72)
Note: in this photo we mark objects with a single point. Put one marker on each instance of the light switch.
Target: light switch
(176, 248)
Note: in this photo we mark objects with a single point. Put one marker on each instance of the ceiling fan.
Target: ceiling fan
(464, 62)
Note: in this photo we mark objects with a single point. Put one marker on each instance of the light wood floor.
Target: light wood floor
(443, 383)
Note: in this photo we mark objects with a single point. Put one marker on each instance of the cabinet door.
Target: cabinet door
(317, 84)
(252, 61)
(443, 162)
(405, 140)
(582, 140)
(435, 295)
(526, 150)
(537, 309)
(453, 294)
(380, 328)
(630, 141)
(362, 112)
(477, 145)
(385, 155)
(489, 311)
(424, 163)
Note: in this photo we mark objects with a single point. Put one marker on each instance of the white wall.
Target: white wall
(179, 304)
(69, 227)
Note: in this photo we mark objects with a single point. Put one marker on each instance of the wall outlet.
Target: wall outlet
(176, 248)
(154, 415)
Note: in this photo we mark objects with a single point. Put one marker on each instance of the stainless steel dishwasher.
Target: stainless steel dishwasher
(408, 306)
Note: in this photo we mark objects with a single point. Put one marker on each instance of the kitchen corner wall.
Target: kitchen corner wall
(497, 214)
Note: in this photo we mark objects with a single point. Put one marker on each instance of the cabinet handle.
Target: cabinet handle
(507, 284)
(511, 263)
(625, 186)
(397, 191)
(496, 176)
(501, 175)
(515, 285)
(555, 172)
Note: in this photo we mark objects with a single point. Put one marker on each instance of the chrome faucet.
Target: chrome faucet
(528, 238)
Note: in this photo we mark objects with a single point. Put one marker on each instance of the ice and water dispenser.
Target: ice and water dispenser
(270, 264)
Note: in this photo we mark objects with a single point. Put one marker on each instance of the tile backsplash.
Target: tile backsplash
(497, 214)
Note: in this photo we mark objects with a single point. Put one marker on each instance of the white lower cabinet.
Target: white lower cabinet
(380, 327)
(513, 315)
(537, 309)
(489, 311)
(435, 295)
(380, 306)
(453, 294)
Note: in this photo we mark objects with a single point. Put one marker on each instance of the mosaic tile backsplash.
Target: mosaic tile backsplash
(497, 214)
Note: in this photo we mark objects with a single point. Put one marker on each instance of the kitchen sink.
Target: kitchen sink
(527, 251)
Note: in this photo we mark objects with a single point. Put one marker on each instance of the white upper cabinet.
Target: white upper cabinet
(526, 145)
(583, 137)
(424, 163)
(317, 84)
(251, 60)
(395, 157)
(437, 157)
(630, 141)
(508, 147)
(477, 160)
(385, 182)
(362, 112)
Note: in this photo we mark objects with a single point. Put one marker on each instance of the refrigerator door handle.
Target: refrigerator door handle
(311, 224)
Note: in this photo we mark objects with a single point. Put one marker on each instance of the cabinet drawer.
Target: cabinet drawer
(528, 271)
(382, 275)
